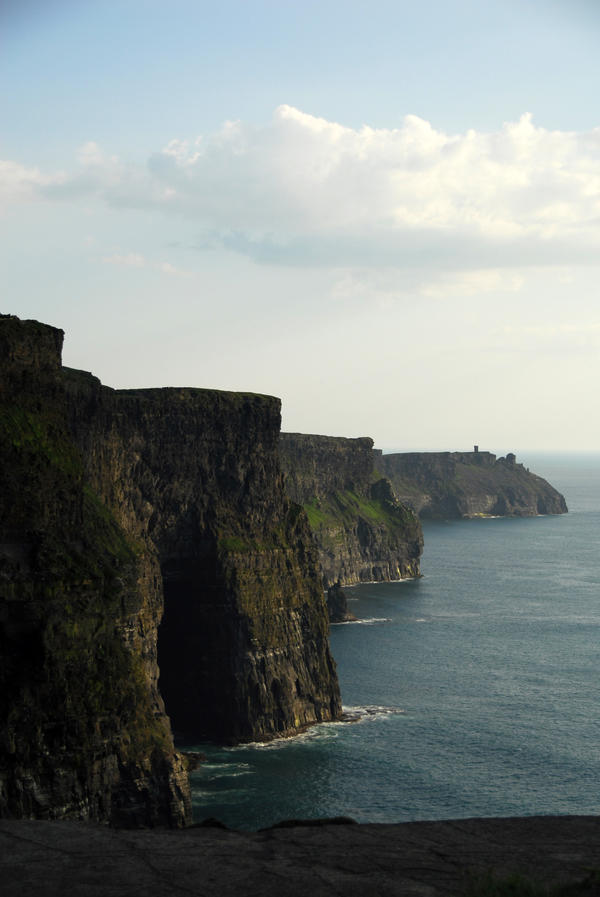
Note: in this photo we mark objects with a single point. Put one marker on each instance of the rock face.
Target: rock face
(469, 484)
(363, 533)
(337, 605)
(108, 498)
(243, 644)
(543, 855)
(83, 732)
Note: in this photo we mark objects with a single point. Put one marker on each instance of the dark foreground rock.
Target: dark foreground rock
(418, 858)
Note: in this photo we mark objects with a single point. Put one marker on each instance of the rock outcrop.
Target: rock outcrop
(543, 855)
(469, 484)
(107, 499)
(337, 605)
(363, 532)
(83, 731)
(243, 644)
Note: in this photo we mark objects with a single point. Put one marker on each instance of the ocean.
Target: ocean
(474, 690)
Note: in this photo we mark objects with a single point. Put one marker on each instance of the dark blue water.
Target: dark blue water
(476, 688)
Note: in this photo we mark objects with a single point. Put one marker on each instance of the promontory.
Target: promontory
(469, 484)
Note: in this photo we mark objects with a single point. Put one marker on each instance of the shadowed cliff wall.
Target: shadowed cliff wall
(469, 484)
(363, 533)
(83, 732)
(243, 646)
(106, 497)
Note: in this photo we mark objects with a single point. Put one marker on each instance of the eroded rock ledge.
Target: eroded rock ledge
(110, 503)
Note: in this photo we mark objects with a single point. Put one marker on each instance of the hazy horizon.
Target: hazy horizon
(387, 216)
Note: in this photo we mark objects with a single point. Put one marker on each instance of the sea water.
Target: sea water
(474, 691)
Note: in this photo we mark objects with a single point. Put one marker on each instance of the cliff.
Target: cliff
(243, 644)
(363, 533)
(83, 732)
(337, 605)
(108, 500)
(469, 484)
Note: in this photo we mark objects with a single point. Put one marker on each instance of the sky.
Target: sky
(385, 213)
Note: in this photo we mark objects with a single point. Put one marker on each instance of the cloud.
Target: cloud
(136, 260)
(306, 191)
(19, 183)
(557, 339)
(130, 260)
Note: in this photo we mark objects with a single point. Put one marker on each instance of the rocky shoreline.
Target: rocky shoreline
(326, 857)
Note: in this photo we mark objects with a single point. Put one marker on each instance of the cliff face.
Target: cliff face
(243, 645)
(107, 499)
(469, 484)
(363, 533)
(83, 732)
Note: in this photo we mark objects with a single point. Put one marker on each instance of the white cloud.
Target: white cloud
(304, 190)
(129, 260)
(173, 270)
(473, 283)
(18, 183)
(557, 339)
(136, 260)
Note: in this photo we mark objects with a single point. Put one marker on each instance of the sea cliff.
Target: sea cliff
(114, 505)
(469, 484)
(363, 532)
(243, 643)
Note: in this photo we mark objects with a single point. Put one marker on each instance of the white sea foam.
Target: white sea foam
(322, 731)
(382, 582)
(227, 773)
(367, 621)
(369, 712)
(318, 731)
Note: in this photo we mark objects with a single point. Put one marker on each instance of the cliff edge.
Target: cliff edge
(114, 505)
(469, 484)
(243, 644)
(83, 730)
(364, 534)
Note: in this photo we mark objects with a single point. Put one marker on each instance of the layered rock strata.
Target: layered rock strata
(243, 644)
(109, 499)
(363, 533)
(337, 605)
(469, 484)
(83, 731)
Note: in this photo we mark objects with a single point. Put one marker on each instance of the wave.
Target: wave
(367, 621)
(369, 712)
(227, 773)
(322, 731)
(381, 582)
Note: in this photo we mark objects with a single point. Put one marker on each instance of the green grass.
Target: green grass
(343, 508)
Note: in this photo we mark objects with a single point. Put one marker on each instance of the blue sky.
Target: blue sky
(388, 214)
